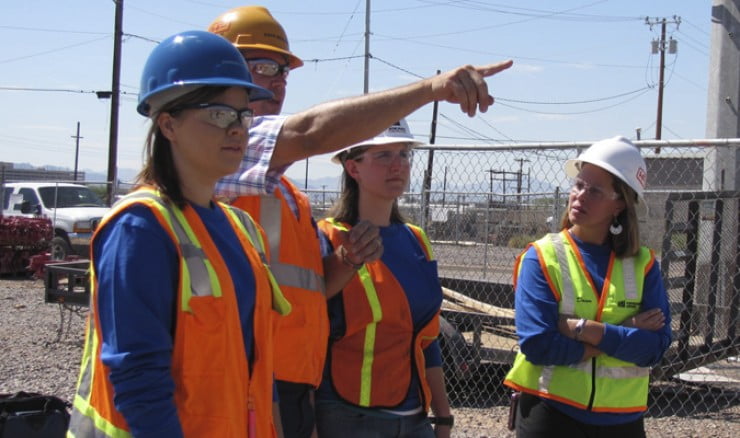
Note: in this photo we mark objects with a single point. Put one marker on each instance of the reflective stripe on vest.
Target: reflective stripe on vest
(295, 260)
(242, 219)
(286, 274)
(377, 312)
(620, 386)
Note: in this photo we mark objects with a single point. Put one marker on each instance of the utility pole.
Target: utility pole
(723, 106)
(115, 97)
(519, 180)
(503, 174)
(77, 147)
(427, 183)
(367, 47)
(659, 46)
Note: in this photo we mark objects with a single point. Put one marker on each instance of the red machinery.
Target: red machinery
(20, 239)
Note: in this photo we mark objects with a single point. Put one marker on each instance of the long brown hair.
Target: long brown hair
(159, 170)
(347, 207)
(626, 243)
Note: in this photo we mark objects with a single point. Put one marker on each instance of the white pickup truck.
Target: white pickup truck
(74, 210)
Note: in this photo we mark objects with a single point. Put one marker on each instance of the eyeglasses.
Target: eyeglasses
(592, 192)
(386, 158)
(267, 67)
(220, 115)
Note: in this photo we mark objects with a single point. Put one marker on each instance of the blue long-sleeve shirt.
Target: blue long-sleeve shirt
(542, 343)
(405, 258)
(137, 271)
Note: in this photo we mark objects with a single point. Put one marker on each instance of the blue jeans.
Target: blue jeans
(338, 420)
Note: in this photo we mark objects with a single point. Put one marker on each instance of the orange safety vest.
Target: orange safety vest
(371, 364)
(215, 394)
(295, 260)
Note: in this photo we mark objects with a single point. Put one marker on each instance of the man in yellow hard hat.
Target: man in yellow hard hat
(264, 45)
(275, 142)
(285, 214)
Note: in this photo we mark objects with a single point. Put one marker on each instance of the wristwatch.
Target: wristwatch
(579, 329)
(443, 421)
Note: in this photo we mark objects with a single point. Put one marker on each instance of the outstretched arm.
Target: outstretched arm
(332, 125)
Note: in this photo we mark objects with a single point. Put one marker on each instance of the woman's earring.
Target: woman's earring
(615, 228)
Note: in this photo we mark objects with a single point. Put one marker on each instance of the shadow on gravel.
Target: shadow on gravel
(683, 399)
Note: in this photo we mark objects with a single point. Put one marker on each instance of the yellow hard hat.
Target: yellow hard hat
(253, 27)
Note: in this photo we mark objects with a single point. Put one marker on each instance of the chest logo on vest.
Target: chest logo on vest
(628, 304)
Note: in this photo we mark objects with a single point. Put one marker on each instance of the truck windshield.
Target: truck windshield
(67, 197)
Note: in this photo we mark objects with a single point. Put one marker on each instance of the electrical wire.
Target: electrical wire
(54, 50)
(595, 110)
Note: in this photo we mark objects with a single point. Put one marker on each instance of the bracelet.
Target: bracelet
(443, 421)
(579, 329)
(346, 260)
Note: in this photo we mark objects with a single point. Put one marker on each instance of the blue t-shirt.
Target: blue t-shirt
(542, 343)
(137, 272)
(404, 256)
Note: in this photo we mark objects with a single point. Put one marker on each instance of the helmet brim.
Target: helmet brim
(255, 92)
(370, 143)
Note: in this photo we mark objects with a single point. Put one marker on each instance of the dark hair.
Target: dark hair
(346, 209)
(626, 243)
(159, 170)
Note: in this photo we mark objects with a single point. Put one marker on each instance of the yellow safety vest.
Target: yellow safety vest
(602, 383)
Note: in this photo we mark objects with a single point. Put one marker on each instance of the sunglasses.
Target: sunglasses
(220, 115)
(267, 67)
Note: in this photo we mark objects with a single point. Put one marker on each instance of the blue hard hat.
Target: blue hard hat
(191, 59)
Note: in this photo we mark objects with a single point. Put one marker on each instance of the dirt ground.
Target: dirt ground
(41, 347)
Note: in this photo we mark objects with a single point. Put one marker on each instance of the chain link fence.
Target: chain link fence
(481, 206)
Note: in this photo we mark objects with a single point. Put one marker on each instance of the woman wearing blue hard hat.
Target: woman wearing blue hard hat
(179, 338)
(592, 312)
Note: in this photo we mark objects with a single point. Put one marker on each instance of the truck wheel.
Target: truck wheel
(60, 249)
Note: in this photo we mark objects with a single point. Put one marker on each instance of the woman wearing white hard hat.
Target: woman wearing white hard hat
(592, 312)
(383, 370)
(179, 339)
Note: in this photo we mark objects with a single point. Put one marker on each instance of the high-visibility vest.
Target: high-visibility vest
(602, 383)
(216, 394)
(371, 364)
(295, 260)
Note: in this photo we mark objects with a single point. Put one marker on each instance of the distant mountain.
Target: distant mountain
(128, 175)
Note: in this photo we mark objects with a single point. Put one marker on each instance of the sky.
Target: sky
(583, 69)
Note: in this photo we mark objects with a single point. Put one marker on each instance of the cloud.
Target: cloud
(554, 116)
(529, 68)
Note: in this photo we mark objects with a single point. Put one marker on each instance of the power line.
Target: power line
(54, 50)
(595, 110)
(40, 29)
(101, 94)
(573, 102)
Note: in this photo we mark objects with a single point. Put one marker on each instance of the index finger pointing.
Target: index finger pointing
(492, 69)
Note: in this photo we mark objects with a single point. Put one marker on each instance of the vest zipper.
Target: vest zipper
(593, 384)
(251, 418)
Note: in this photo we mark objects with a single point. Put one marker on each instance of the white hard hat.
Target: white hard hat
(618, 156)
(396, 133)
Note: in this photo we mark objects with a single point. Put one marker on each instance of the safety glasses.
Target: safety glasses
(387, 157)
(220, 115)
(267, 67)
(592, 192)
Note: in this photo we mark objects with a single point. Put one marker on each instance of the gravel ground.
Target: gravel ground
(36, 357)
